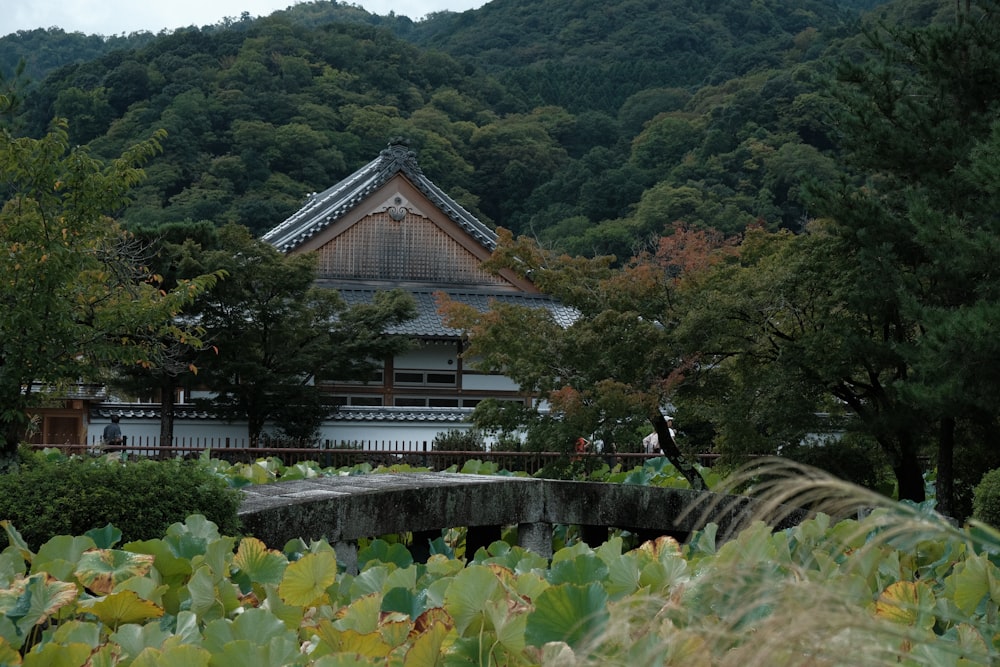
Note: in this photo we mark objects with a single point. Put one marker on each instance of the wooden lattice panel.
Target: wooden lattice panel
(411, 249)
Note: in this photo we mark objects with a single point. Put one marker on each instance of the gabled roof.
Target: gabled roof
(323, 209)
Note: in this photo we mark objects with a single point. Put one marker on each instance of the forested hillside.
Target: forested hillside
(587, 124)
(589, 128)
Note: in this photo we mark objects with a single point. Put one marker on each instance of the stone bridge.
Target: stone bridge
(345, 509)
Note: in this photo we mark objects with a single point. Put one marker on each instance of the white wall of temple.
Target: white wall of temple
(429, 356)
(143, 431)
(477, 382)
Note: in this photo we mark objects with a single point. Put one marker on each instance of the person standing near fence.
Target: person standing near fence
(113, 438)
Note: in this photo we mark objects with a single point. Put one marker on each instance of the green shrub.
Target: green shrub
(986, 499)
(59, 496)
(457, 440)
(854, 460)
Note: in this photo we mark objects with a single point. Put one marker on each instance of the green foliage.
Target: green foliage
(53, 496)
(986, 499)
(897, 586)
(458, 440)
(530, 116)
(76, 300)
(856, 460)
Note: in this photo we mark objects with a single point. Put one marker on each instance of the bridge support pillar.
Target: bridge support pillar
(347, 555)
(536, 537)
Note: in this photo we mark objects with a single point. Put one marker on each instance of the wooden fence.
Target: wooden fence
(341, 454)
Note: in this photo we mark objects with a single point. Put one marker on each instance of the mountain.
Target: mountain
(589, 124)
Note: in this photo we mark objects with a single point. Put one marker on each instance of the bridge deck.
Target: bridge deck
(344, 509)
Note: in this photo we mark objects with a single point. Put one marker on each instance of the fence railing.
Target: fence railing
(343, 454)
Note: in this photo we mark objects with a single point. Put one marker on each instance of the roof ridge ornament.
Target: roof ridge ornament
(398, 156)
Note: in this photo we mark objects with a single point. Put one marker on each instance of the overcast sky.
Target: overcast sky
(114, 17)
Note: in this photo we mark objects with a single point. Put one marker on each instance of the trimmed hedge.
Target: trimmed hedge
(986, 501)
(54, 495)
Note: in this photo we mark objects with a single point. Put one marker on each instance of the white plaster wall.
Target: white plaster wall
(476, 382)
(430, 356)
(211, 433)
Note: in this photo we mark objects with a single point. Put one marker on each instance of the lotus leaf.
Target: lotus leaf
(372, 580)
(362, 615)
(105, 538)
(382, 552)
(973, 580)
(583, 569)
(180, 655)
(567, 613)
(120, 608)
(8, 654)
(203, 594)
(305, 581)
(57, 655)
(100, 570)
(907, 603)
(60, 555)
(466, 598)
(405, 601)
(426, 648)
(347, 660)
(77, 632)
(260, 564)
(16, 541)
(32, 601)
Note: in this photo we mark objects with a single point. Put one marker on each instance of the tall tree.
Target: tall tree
(919, 237)
(616, 367)
(886, 304)
(275, 336)
(175, 253)
(73, 299)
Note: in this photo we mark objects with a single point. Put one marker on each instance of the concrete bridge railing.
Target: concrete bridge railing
(345, 509)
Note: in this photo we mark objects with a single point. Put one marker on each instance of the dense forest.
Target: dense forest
(586, 124)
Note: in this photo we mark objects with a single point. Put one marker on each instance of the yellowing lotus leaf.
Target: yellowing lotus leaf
(907, 603)
(29, 602)
(348, 660)
(305, 581)
(123, 607)
(100, 570)
(262, 565)
(425, 650)
(9, 655)
(58, 655)
(431, 617)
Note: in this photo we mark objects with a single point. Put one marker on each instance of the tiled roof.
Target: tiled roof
(324, 208)
(353, 414)
(430, 324)
(147, 411)
(80, 390)
(387, 414)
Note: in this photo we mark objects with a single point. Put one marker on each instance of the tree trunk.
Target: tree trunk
(946, 468)
(674, 455)
(909, 476)
(167, 386)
